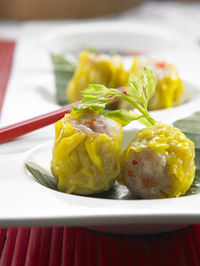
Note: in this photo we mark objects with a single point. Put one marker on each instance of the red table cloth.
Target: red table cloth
(82, 247)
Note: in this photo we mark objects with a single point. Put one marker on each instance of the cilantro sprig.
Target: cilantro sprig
(138, 92)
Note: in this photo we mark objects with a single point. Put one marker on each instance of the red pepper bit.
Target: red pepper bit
(134, 162)
(160, 64)
(146, 182)
(90, 122)
(130, 173)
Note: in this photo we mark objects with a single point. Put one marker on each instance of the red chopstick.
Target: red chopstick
(16, 130)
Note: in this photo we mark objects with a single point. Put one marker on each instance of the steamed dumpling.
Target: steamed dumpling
(94, 68)
(86, 152)
(169, 89)
(159, 162)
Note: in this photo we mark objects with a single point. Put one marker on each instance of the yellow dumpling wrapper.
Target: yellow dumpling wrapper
(93, 68)
(176, 148)
(169, 88)
(84, 160)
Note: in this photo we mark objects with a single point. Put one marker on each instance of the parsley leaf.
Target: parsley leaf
(149, 83)
(123, 117)
(138, 92)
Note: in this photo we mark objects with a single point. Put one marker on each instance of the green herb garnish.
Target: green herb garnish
(138, 92)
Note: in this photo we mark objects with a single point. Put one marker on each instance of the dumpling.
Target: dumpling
(169, 88)
(86, 152)
(158, 163)
(94, 68)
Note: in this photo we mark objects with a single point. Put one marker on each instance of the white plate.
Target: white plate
(24, 202)
(35, 204)
(114, 35)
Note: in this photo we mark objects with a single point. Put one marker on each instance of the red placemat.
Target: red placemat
(81, 247)
(6, 58)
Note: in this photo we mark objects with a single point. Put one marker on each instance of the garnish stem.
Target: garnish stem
(140, 109)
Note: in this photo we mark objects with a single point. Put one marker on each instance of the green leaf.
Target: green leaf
(142, 88)
(149, 83)
(135, 90)
(41, 175)
(63, 70)
(93, 102)
(97, 96)
(191, 128)
(97, 89)
(123, 117)
(195, 187)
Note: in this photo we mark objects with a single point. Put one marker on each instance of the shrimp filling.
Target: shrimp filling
(146, 174)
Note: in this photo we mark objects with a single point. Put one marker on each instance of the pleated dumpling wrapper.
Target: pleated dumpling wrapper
(95, 68)
(159, 163)
(169, 89)
(86, 152)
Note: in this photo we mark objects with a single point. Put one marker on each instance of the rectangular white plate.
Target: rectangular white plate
(24, 202)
